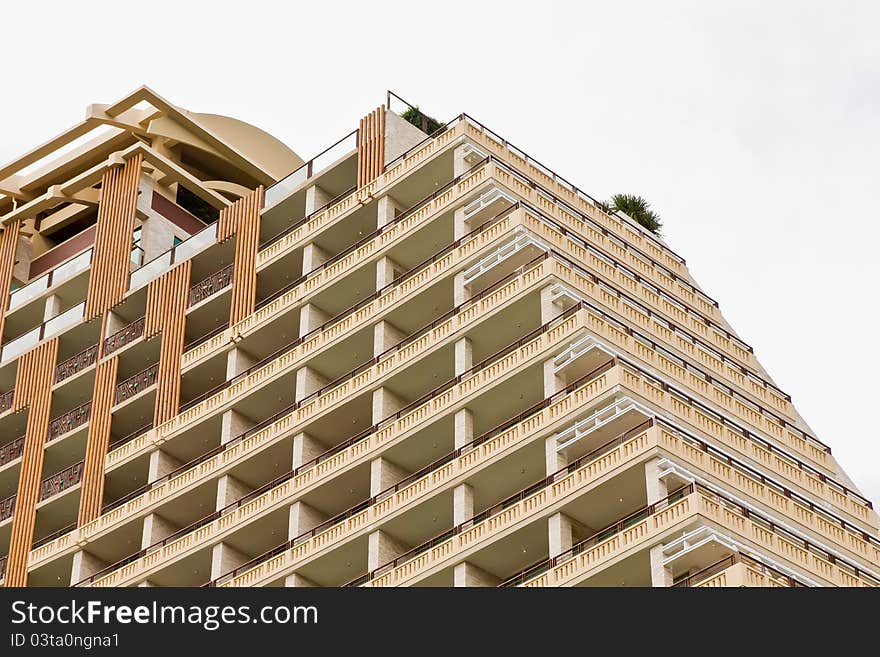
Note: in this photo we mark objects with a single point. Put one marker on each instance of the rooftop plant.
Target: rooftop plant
(415, 116)
(635, 207)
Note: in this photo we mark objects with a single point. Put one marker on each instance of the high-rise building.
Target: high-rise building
(420, 358)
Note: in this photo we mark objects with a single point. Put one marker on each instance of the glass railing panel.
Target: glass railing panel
(198, 242)
(150, 271)
(293, 181)
(21, 344)
(30, 291)
(65, 320)
(72, 267)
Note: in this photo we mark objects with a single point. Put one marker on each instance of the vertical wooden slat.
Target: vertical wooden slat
(242, 219)
(371, 146)
(166, 310)
(108, 282)
(8, 245)
(92, 491)
(33, 388)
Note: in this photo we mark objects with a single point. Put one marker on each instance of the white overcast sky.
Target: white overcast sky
(753, 127)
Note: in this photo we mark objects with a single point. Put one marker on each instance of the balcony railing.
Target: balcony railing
(61, 481)
(327, 157)
(51, 327)
(727, 562)
(6, 400)
(60, 274)
(210, 285)
(125, 336)
(163, 262)
(137, 383)
(129, 437)
(11, 451)
(69, 421)
(76, 363)
(7, 506)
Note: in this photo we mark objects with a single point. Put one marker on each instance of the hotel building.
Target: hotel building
(421, 358)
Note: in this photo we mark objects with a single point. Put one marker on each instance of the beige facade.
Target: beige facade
(414, 360)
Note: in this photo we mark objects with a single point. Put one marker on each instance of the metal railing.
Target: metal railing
(76, 363)
(124, 336)
(11, 451)
(137, 383)
(61, 481)
(209, 286)
(6, 400)
(7, 506)
(69, 421)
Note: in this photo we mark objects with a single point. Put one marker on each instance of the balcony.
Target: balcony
(137, 383)
(6, 400)
(124, 336)
(7, 506)
(211, 285)
(293, 181)
(69, 421)
(61, 481)
(11, 451)
(57, 276)
(75, 364)
(755, 573)
(183, 251)
(32, 338)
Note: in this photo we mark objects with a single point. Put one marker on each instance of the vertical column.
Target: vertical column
(230, 490)
(52, 307)
(467, 574)
(33, 388)
(308, 380)
(655, 486)
(560, 532)
(385, 404)
(310, 318)
(313, 257)
(97, 442)
(155, 529)
(656, 489)
(385, 336)
(225, 558)
(242, 219)
(459, 164)
(305, 450)
(316, 198)
(161, 463)
(463, 420)
(387, 210)
(460, 292)
(661, 575)
(85, 564)
(382, 547)
(386, 271)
